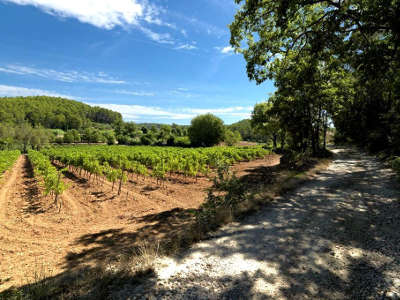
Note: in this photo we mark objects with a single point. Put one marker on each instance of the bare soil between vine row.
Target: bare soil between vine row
(94, 222)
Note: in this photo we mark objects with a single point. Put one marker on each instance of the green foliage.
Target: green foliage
(206, 130)
(183, 141)
(52, 112)
(147, 139)
(265, 119)
(396, 165)
(246, 131)
(72, 136)
(51, 177)
(92, 135)
(7, 159)
(330, 61)
(154, 161)
(231, 138)
(23, 137)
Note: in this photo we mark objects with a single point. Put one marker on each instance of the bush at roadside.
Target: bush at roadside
(396, 165)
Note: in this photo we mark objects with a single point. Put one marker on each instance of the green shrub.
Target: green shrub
(206, 130)
(182, 141)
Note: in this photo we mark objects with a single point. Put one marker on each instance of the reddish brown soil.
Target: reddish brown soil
(94, 223)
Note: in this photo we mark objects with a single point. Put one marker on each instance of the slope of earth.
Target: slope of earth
(336, 237)
(38, 241)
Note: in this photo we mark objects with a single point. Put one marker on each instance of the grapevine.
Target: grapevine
(50, 176)
(7, 159)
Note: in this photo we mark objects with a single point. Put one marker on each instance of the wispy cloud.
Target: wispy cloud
(144, 113)
(135, 93)
(183, 92)
(65, 76)
(162, 38)
(225, 50)
(202, 26)
(15, 91)
(186, 47)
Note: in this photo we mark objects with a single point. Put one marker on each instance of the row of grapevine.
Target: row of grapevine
(50, 176)
(7, 159)
(111, 162)
(162, 159)
(93, 168)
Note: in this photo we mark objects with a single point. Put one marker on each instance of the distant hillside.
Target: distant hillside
(246, 131)
(52, 112)
(244, 127)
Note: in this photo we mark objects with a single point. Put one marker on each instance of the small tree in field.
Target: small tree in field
(206, 130)
(232, 137)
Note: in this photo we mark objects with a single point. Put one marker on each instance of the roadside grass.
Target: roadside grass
(231, 198)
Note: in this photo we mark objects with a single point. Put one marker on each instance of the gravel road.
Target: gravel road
(336, 237)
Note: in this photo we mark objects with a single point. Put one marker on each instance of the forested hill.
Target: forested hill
(52, 112)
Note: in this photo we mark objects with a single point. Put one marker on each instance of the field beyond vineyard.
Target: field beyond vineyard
(96, 222)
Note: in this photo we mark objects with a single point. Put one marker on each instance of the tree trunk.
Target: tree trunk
(325, 129)
(120, 183)
(283, 141)
(56, 193)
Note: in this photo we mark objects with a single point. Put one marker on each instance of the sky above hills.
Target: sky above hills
(158, 61)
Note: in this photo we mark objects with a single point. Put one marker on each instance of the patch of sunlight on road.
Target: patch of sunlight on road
(271, 288)
(232, 265)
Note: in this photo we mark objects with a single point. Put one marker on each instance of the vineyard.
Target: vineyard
(53, 198)
(7, 159)
(117, 163)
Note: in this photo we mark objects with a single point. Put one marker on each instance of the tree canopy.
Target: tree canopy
(330, 60)
(52, 112)
(206, 130)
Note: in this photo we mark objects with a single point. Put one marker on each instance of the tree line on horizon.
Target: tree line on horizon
(31, 122)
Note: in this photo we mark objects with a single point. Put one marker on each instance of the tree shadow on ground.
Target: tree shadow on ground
(336, 237)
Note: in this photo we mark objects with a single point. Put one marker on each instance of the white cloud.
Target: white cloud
(146, 113)
(136, 112)
(186, 47)
(135, 93)
(100, 13)
(107, 14)
(66, 76)
(225, 50)
(15, 91)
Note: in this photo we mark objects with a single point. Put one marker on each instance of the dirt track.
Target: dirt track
(337, 237)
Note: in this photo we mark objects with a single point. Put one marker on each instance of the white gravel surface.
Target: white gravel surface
(336, 237)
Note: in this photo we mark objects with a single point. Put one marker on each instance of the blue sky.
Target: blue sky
(154, 61)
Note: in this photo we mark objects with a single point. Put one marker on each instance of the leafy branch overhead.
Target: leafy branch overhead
(331, 61)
